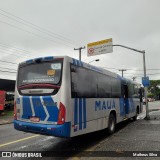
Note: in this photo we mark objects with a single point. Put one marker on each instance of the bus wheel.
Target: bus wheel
(111, 123)
(137, 112)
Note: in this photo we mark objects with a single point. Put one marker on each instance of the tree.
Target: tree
(154, 88)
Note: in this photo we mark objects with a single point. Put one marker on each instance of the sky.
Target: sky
(37, 28)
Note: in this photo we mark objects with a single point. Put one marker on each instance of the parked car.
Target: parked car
(149, 100)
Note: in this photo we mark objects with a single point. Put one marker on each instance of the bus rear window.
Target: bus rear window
(40, 73)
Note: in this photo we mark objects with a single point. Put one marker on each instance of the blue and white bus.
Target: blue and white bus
(64, 97)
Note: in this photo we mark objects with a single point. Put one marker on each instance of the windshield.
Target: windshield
(40, 73)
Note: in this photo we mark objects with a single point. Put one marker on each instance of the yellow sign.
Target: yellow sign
(51, 72)
(100, 47)
(99, 42)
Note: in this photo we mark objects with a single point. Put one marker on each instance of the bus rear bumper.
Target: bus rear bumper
(45, 129)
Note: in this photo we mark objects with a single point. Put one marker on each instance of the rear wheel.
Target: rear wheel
(111, 123)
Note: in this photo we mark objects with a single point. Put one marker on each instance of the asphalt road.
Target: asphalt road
(124, 139)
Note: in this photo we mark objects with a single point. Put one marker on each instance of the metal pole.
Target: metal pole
(80, 54)
(145, 88)
(122, 71)
(80, 51)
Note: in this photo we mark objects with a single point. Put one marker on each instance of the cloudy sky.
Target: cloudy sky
(35, 28)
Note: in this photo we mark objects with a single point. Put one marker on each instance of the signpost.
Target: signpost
(145, 81)
(99, 47)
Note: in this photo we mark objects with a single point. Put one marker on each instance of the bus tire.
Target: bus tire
(111, 123)
(135, 118)
(137, 112)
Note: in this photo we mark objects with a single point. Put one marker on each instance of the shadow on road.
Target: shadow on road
(85, 142)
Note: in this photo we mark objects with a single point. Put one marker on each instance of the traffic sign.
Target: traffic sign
(100, 47)
(145, 81)
(90, 51)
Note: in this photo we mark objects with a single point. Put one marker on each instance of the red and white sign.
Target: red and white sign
(100, 47)
(90, 51)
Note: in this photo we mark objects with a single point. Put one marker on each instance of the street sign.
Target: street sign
(99, 47)
(145, 81)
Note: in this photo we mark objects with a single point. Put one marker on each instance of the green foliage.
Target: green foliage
(150, 95)
(154, 89)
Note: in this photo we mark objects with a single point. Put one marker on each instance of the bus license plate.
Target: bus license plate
(34, 119)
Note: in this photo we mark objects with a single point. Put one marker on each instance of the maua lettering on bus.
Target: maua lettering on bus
(104, 105)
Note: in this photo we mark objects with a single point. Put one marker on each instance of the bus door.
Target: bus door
(126, 102)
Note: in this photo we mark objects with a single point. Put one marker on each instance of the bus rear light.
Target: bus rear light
(61, 114)
(15, 110)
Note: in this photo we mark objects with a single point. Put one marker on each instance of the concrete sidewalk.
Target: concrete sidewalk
(139, 136)
(5, 119)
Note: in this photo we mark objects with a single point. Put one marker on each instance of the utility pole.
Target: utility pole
(79, 51)
(122, 70)
(134, 78)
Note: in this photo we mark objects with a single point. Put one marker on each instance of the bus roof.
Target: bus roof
(80, 63)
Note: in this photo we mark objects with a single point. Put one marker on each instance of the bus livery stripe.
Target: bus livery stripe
(51, 108)
(27, 112)
(84, 112)
(45, 109)
(75, 113)
(32, 107)
(121, 107)
(80, 113)
(38, 107)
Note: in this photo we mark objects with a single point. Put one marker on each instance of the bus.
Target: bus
(6, 100)
(9, 100)
(2, 100)
(65, 97)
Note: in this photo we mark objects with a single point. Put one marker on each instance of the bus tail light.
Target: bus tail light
(15, 110)
(61, 114)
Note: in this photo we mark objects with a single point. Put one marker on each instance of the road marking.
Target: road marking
(23, 139)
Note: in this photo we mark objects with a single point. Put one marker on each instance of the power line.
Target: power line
(32, 33)
(7, 71)
(18, 51)
(11, 53)
(43, 30)
(33, 26)
(8, 68)
(131, 69)
(16, 48)
(142, 74)
(8, 62)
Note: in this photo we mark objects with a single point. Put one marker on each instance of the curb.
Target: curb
(6, 122)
